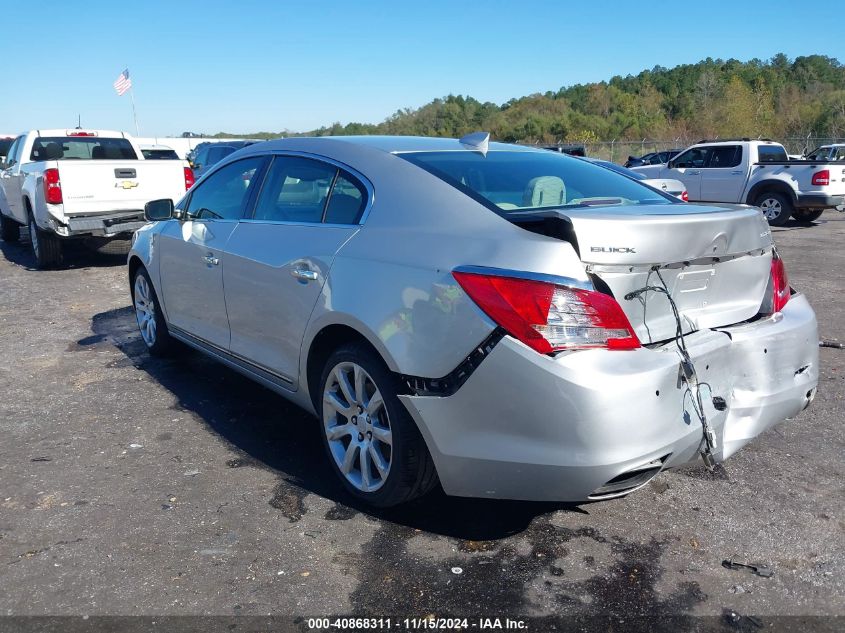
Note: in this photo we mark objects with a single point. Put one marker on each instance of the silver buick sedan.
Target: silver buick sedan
(506, 321)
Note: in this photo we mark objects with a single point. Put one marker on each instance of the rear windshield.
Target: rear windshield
(516, 181)
(160, 154)
(771, 154)
(81, 148)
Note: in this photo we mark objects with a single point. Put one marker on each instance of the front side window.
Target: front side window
(695, 157)
(81, 148)
(839, 153)
(295, 190)
(223, 195)
(725, 156)
(515, 180)
(14, 153)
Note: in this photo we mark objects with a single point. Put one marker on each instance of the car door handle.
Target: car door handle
(738, 172)
(304, 274)
(211, 260)
(694, 172)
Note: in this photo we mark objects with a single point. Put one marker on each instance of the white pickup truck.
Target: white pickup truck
(758, 173)
(90, 184)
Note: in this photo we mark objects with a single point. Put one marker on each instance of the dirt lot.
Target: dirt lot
(130, 485)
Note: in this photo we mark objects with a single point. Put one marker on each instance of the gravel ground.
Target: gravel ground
(136, 486)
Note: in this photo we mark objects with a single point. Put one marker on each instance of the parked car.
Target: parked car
(89, 184)
(208, 154)
(672, 187)
(757, 173)
(158, 152)
(652, 158)
(836, 151)
(514, 322)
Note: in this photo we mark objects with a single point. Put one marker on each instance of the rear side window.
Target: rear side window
(223, 195)
(725, 156)
(771, 154)
(346, 204)
(515, 180)
(295, 190)
(81, 148)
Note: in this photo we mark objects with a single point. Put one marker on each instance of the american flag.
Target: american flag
(123, 83)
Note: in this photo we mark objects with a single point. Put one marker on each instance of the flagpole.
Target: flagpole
(134, 114)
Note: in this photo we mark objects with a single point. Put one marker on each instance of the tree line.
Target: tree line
(778, 98)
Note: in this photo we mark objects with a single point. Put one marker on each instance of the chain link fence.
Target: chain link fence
(619, 151)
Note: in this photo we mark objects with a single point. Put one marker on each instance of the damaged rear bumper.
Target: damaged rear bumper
(595, 424)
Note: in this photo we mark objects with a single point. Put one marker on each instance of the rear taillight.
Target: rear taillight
(685, 196)
(52, 186)
(778, 291)
(549, 317)
(780, 284)
(821, 177)
(189, 178)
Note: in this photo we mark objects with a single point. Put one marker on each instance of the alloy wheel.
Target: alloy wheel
(772, 208)
(145, 312)
(357, 427)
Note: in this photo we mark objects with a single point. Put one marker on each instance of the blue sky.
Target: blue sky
(246, 66)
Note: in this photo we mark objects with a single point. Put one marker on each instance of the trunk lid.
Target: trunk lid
(98, 186)
(715, 261)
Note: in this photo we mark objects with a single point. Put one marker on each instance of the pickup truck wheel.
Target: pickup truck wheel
(776, 207)
(148, 314)
(807, 215)
(46, 246)
(10, 231)
(372, 442)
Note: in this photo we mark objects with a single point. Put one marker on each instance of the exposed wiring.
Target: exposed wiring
(694, 386)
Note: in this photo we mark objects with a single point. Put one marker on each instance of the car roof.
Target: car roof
(389, 144)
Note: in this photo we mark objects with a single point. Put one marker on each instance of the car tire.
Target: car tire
(46, 247)
(10, 231)
(807, 215)
(372, 443)
(148, 315)
(776, 207)
(109, 245)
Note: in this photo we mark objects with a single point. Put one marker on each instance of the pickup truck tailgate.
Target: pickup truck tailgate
(90, 187)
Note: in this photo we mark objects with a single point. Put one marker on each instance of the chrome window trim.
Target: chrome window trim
(522, 274)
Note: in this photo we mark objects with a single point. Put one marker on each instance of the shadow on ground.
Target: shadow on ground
(257, 424)
(75, 255)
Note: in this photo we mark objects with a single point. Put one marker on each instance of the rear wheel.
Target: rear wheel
(148, 314)
(373, 444)
(10, 231)
(776, 207)
(46, 247)
(807, 215)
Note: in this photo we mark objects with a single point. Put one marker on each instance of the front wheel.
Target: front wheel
(148, 314)
(373, 444)
(807, 215)
(776, 207)
(10, 231)
(46, 247)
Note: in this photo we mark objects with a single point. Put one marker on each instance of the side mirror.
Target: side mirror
(157, 210)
